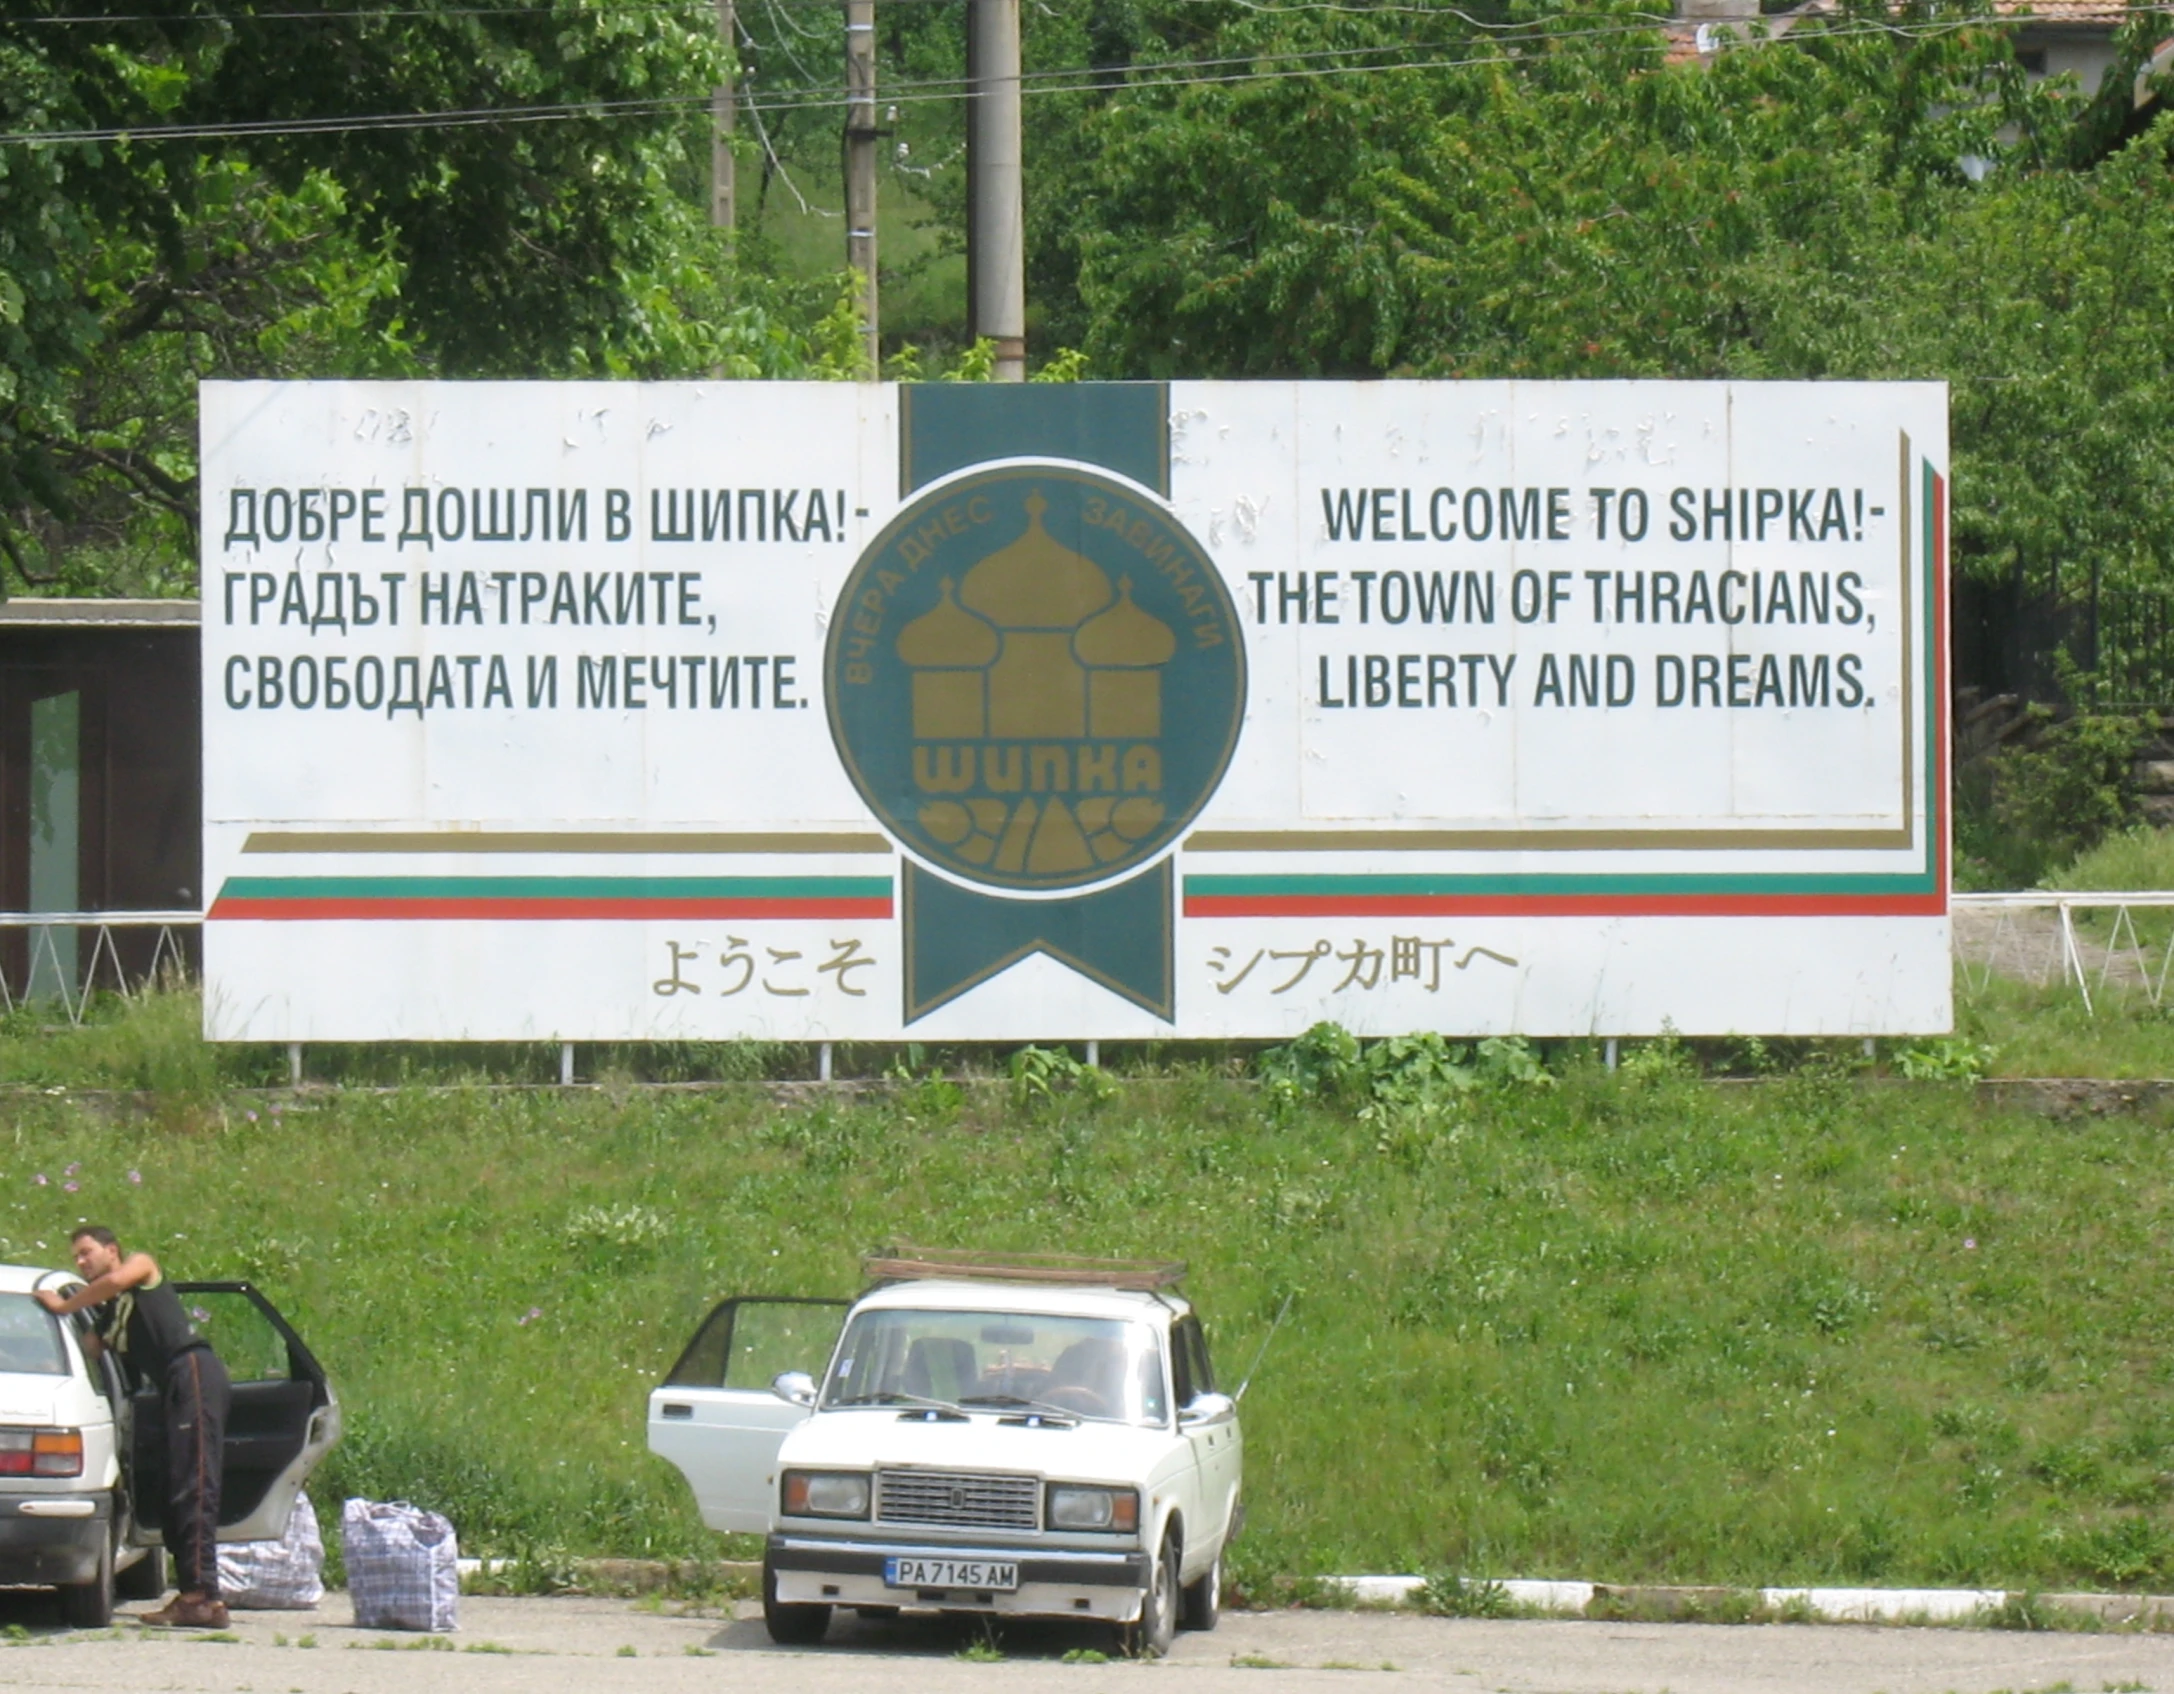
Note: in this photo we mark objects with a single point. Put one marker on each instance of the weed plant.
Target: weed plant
(2139, 857)
(1543, 1322)
(2024, 1030)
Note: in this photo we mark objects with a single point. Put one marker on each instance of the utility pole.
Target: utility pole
(996, 247)
(724, 205)
(860, 169)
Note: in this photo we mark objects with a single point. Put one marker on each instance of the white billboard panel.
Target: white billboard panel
(833, 711)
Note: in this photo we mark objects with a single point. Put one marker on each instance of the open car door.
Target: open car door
(716, 1416)
(284, 1418)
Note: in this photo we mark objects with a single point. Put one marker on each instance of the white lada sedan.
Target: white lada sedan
(83, 1461)
(1004, 1447)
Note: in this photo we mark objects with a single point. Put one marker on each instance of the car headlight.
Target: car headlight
(41, 1452)
(825, 1494)
(1114, 1509)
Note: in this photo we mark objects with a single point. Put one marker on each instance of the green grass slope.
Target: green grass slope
(1639, 1326)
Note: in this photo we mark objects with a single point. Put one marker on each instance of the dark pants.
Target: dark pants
(197, 1396)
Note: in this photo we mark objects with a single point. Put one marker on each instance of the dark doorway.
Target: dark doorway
(100, 783)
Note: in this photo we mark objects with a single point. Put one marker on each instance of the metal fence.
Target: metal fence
(2035, 644)
(44, 961)
(2087, 941)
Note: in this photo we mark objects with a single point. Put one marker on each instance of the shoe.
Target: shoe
(186, 1611)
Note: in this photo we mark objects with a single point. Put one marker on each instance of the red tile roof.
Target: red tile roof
(1683, 33)
(2111, 13)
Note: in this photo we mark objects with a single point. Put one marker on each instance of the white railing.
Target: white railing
(71, 980)
(2033, 935)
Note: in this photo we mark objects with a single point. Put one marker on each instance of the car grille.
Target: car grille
(974, 1502)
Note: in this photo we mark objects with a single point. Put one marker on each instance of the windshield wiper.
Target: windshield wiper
(1064, 1412)
(891, 1397)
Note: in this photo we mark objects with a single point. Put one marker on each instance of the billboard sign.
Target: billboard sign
(805, 711)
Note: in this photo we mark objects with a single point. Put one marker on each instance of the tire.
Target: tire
(145, 1579)
(1149, 1635)
(89, 1605)
(1204, 1599)
(790, 1626)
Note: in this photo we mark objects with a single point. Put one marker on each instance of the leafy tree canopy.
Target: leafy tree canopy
(1878, 196)
(1215, 188)
(250, 220)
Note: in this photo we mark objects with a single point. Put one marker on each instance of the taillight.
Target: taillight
(41, 1452)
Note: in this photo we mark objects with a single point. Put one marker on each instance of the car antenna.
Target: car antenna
(1281, 1313)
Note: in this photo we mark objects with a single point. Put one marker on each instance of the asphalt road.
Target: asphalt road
(617, 1647)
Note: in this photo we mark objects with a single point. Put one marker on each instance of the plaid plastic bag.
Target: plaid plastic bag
(283, 1575)
(402, 1570)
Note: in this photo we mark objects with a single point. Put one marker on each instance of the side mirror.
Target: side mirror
(796, 1386)
(1206, 1409)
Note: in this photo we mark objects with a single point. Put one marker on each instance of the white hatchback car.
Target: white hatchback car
(83, 1463)
(980, 1442)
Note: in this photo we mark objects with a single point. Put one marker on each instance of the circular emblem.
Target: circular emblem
(1035, 677)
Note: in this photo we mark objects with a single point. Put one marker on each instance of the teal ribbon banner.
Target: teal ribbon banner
(1120, 937)
(956, 938)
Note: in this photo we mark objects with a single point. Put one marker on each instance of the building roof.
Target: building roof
(99, 614)
(1695, 38)
(2106, 14)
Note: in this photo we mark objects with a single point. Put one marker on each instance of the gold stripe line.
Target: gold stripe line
(1536, 840)
(517, 841)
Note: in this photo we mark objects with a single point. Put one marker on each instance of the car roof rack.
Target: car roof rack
(902, 1263)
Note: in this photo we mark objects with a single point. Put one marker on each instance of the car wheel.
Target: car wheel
(1204, 1599)
(790, 1626)
(89, 1605)
(1149, 1635)
(145, 1579)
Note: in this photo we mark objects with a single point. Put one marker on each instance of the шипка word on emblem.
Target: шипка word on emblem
(1035, 660)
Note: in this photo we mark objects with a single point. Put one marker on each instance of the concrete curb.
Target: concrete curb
(635, 1576)
(1826, 1605)
(1560, 1599)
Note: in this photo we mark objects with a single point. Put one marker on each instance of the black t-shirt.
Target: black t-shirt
(147, 1327)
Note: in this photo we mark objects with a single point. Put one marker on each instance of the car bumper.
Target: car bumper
(1066, 1582)
(51, 1539)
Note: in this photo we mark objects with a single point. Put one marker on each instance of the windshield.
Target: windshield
(1099, 1368)
(30, 1338)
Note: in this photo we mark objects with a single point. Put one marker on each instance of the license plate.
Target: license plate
(988, 1575)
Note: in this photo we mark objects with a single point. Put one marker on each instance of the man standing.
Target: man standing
(139, 1316)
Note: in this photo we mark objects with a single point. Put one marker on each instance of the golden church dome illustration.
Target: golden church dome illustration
(1036, 582)
(1035, 676)
(1124, 650)
(948, 637)
(1037, 709)
(1124, 635)
(949, 651)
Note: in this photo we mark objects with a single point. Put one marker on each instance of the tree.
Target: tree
(1871, 198)
(149, 236)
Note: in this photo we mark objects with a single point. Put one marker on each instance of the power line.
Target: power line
(1139, 77)
(699, 8)
(555, 8)
(548, 8)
